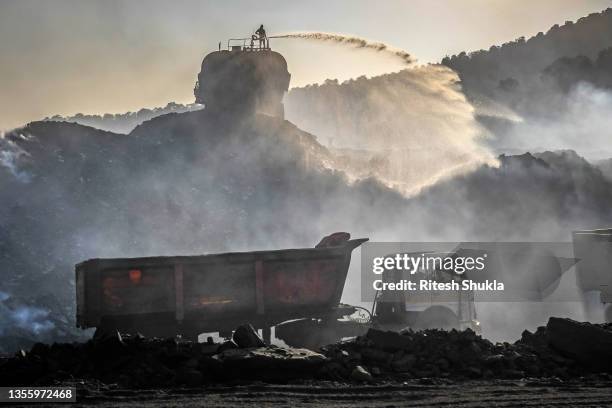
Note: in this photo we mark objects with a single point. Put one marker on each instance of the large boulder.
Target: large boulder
(271, 363)
(586, 343)
(388, 340)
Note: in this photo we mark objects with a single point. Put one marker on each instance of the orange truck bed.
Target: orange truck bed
(188, 295)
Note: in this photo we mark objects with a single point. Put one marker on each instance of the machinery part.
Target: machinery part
(593, 249)
(314, 333)
(240, 81)
(363, 315)
(437, 317)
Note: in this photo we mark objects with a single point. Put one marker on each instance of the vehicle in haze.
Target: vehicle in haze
(593, 251)
(190, 295)
(424, 309)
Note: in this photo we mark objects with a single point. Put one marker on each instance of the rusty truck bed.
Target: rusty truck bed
(161, 296)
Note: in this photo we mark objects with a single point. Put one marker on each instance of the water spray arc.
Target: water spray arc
(356, 42)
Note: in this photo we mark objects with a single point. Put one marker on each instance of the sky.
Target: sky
(111, 56)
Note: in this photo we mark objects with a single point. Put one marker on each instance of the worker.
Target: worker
(261, 32)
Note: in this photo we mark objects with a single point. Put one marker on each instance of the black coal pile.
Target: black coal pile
(139, 362)
(563, 349)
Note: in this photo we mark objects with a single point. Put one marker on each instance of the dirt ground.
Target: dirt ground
(423, 393)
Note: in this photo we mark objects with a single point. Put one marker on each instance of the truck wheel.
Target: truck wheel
(437, 317)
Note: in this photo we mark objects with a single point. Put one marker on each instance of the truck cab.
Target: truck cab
(429, 309)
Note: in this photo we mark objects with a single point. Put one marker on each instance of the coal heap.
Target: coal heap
(139, 362)
(557, 350)
(563, 349)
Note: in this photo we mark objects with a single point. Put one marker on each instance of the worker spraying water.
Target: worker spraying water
(261, 35)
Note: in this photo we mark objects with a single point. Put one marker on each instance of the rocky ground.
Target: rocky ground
(565, 363)
(595, 391)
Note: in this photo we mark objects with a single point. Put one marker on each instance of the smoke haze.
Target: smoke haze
(397, 157)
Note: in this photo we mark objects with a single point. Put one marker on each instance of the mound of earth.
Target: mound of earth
(378, 356)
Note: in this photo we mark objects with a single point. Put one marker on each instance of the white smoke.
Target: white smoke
(10, 157)
(32, 318)
(582, 124)
(29, 318)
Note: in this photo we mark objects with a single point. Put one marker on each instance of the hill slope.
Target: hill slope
(483, 71)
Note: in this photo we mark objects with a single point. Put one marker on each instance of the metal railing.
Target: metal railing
(254, 43)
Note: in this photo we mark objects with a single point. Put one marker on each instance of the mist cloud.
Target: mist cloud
(581, 122)
(408, 129)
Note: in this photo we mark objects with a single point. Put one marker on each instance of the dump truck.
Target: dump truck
(190, 295)
(295, 291)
